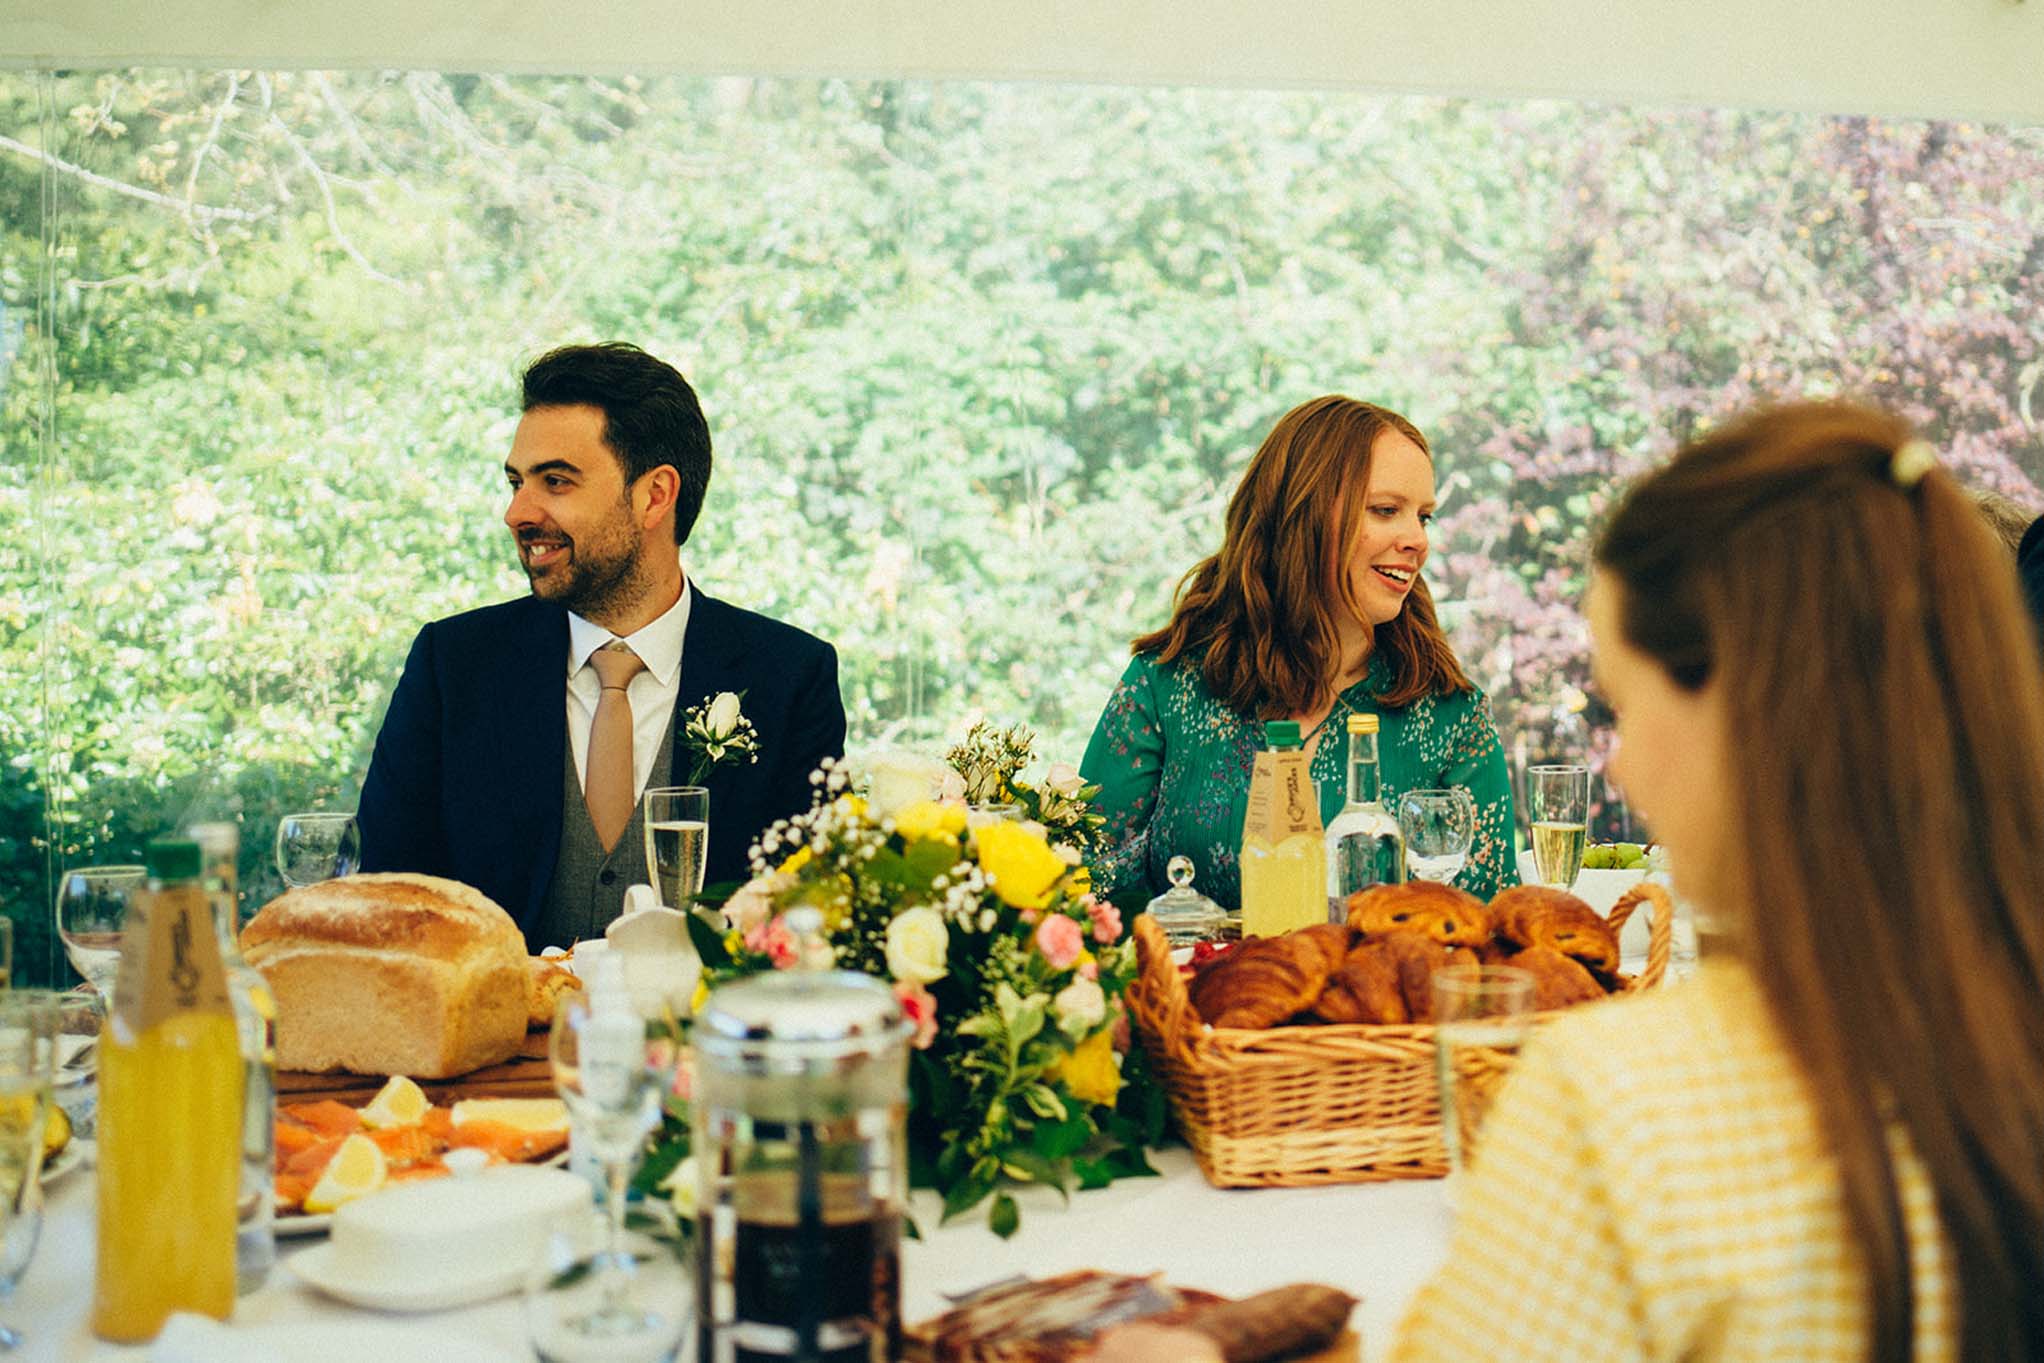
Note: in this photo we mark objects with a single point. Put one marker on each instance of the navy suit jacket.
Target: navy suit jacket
(466, 778)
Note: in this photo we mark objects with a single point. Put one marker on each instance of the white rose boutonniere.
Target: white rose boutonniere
(918, 944)
(717, 732)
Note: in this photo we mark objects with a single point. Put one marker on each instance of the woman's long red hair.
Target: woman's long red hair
(1262, 616)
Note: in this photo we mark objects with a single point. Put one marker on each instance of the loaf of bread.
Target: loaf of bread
(391, 974)
(547, 980)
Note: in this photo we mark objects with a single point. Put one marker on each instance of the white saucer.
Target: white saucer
(78, 1151)
(315, 1267)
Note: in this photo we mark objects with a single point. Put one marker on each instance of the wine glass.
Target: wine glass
(568, 1287)
(1558, 798)
(316, 847)
(92, 904)
(611, 1065)
(28, 1048)
(677, 841)
(1439, 827)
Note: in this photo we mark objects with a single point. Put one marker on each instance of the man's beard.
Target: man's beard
(589, 583)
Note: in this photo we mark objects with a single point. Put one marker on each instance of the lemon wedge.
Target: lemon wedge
(399, 1102)
(56, 1132)
(356, 1168)
(523, 1114)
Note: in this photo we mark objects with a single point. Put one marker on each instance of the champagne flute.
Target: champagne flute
(28, 1049)
(1558, 797)
(612, 1065)
(1439, 828)
(677, 841)
(92, 905)
(317, 846)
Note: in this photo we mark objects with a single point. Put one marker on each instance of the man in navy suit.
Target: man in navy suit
(521, 736)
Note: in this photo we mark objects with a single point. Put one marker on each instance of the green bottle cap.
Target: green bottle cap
(172, 859)
(1281, 733)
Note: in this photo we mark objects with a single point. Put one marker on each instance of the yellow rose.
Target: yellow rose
(928, 819)
(1092, 1072)
(1023, 867)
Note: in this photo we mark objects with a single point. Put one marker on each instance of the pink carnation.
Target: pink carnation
(1106, 920)
(919, 1006)
(1060, 940)
(773, 939)
(1089, 970)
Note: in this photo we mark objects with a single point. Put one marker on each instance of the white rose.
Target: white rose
(917, 942)
(951, 791)
(1064, 779)
(1080, 1006)
(753, 904)
(896, 779)
(724, 713)
(680, 1187)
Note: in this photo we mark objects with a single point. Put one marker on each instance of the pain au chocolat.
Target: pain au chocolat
(1542, 916)
(1450, 916)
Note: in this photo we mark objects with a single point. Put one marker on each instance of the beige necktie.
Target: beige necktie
(607, 783)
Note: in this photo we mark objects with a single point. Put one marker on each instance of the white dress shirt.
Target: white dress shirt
(652, 692)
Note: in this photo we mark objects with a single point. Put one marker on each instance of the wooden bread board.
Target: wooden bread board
(525, 1075)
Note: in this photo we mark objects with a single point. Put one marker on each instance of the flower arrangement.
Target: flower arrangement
(717, 731)
(1011, 972)
(989, 763)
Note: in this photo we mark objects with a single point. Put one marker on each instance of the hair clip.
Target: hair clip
(1911, 460)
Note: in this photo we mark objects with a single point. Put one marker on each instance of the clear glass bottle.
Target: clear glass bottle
(1282, 853)
(1364, 844)
(255, 1023)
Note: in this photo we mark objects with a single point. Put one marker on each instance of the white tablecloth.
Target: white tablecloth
(1376, 1240)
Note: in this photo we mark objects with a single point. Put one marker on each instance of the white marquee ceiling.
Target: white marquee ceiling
(1979, 59)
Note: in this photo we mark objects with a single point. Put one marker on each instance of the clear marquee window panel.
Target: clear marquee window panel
(982, 363)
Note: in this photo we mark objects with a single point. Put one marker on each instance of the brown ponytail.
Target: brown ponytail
(1886, 708)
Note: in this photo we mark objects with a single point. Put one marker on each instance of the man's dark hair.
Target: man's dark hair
(650, 414)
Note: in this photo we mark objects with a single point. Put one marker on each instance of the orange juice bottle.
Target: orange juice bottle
(170, 1098)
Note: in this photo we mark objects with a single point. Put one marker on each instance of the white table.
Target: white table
(1376, 1240)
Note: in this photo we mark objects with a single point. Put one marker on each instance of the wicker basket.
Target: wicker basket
(1290, 1106)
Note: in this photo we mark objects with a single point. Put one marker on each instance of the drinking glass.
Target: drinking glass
(28, 1047)
(316, 847)
(1439, 826)
(1481, 1016)
(677, 841)
(1558, 800)
(92, 904)
(566, 1289)
(611, 1065)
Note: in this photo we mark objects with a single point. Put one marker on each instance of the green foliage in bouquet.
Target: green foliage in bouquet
(1011, 971)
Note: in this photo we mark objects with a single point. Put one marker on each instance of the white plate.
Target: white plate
(315, 1267)
(312, 1223)
(77, 1152)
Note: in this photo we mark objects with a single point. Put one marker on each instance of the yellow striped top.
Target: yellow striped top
(1651, 1185)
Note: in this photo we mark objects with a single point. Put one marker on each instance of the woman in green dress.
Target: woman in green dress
(1314, 609)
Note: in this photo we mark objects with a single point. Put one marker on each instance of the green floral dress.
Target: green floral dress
(1173, 762)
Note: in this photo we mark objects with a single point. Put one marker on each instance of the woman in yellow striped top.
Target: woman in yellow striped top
(1829, 1145)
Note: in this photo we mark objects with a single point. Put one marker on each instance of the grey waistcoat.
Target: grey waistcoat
(588, 888)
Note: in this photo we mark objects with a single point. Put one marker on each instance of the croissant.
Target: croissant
(1364, 989)
(1442, 912)
(1416, 958)
(1264, 982)
(1542, 916)
(1558, 980)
